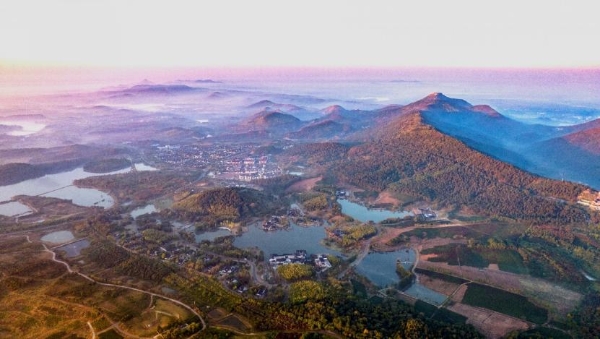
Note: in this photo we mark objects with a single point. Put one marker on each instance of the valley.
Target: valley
(489, 224)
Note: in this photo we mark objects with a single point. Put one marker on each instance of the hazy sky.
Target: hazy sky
(307, 33)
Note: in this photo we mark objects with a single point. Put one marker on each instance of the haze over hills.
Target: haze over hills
(226, 159)
(545, 150)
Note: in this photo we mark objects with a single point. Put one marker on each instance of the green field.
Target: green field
(441, 276)
(455, 254)
(446, 232)
(504, 302)
(507, 260)
(544, 332)
(441, 314)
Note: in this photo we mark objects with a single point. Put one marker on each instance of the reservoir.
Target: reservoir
(60, 185)
(365, 214)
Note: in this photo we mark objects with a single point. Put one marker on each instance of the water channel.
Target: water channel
(380, 268)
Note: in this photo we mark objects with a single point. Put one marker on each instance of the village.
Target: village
(220, 161)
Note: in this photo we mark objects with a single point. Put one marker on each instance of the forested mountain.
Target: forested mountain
(412, 158)
(570, 152)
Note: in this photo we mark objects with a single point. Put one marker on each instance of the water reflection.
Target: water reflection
(364, 214)
(380, 268)
(58, 237)
(143, 210)
(285, 241)
(14, 208)
(74, 249)
(60, 185)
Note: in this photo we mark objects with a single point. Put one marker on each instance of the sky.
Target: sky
(308, 33)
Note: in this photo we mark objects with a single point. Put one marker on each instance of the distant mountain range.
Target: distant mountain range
(568, 152)
(571, 152)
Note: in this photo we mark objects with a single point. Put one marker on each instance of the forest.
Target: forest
(208, 209)
(425, 164)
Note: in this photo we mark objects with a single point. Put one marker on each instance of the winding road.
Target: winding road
(191, 309)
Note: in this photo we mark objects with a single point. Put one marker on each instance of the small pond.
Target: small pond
(74, 249)
(143, 210)
(365, 214)
(285, 241)
(13, 209)
(211, 235)
(58, 237)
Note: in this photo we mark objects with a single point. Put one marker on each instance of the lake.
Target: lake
(365, 214)
(60, 185)
(285, 241)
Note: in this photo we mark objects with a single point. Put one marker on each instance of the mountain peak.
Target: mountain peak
(437, 101)
(334, 109)
(437, 96)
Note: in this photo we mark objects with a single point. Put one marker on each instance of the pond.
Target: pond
(143, 210)
(14, 208)
(365, 214)
(211, 235)
(285, 241)
(60, 185)
(421, 292)
(380, 268)
(58, 237)
(74, 249)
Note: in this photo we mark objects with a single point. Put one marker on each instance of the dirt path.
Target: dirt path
(92, 329)
(128, 288)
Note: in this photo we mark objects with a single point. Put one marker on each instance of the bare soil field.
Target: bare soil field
(558, 300)
(380, 243)
(491, 324)
(235, 322)
(444, 287)
(493, 267)
(304, 185)
(386, 198)
(459, 294)
(434, 242)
